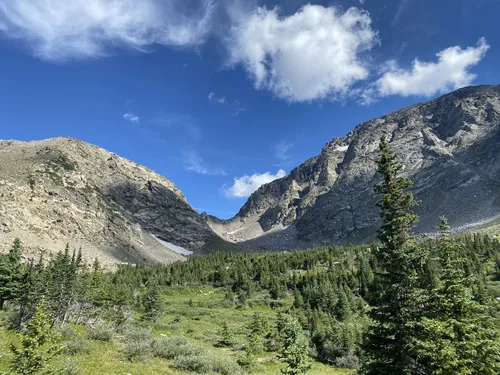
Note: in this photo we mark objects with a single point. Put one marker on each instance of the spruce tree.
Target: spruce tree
(294, 348)
(398, 298)
(457, 338)
(10, 273)
(226, 336)
(152, 302)
(38, 344)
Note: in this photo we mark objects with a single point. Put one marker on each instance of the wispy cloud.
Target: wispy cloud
(129, 116)
(235, 106)
(238, 108)
(401, 8)
(244, 186)
(180, 126)
(216, 99)
(194, 163)
(60, 30)
(282, 149)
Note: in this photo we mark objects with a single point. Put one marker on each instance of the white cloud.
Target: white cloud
(129, 116)
(194, 163)
(244, 186)
(312, 54)
(59, 30)
(217, 99)
(281, 150)
(450, 72)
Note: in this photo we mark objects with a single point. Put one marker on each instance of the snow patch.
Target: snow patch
(429, 117)
(174, 248)
(341, 148)
(236, 231)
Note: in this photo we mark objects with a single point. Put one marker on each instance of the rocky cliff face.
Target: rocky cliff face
(450, 148)
(62, 190)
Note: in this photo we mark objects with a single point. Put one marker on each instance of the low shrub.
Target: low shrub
(100, 333)
(76, 346)
(133, 333)
(66, 332)
(138, 343)
(196, 363)
(205, 364)
(136, 350)
(173, 347)
(350, 361)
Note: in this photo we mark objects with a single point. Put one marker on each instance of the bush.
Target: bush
(197, 363)
(173, 347)
(136, 350)
(225, 366)
(350, 361)
(138, 334)
(66, 332)
(203, 364)
(138, 343)
(100, 333)
(76, 346)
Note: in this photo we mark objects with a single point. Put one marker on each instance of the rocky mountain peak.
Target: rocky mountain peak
(448, 146)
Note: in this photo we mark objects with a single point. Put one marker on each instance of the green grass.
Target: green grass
(193, 313)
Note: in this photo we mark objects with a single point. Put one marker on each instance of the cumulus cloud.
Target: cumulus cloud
(217, 99)
(244, 186)
(451, 71)
(59, 30)
(129, 116)
(194, 163)
(312, 54)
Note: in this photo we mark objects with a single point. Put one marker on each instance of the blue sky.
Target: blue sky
(222, 96)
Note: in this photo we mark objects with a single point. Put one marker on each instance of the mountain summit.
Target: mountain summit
(63, 190)
(449, 148)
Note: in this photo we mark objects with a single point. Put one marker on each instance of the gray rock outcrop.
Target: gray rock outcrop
(450, 148)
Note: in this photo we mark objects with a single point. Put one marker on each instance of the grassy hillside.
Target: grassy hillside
(192, 313)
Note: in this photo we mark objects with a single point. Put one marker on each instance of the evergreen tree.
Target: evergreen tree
(226, 336)
(258, 330)
(38, 344)
(152, 302)
(10, 273)
(399, 297)
(457, 337)
(294, 348)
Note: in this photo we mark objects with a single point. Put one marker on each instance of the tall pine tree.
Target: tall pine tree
(398, 298)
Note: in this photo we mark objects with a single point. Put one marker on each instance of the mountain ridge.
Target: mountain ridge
(287, 212)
